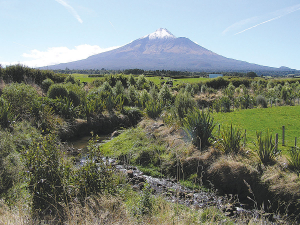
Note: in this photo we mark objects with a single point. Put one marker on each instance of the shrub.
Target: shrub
(22, 99)
(10, 163)
(230, 141)
(141, 83)
(265, 148)
(153, 92)
(71, 79)
(94, 176)
(217, 83)
(57, 91)
(105, 87)
(5, 113)
(165, 95)
(132, 96)
(134, 114)
(294, 159)
(260, 100)
(199, 126)
(131, 80)
(153, 109)
(145, 204)
(16, 73)
(183, 103)
(144, 98)
(118, 88)
(222, 104)
(46, 84)
(45, 175)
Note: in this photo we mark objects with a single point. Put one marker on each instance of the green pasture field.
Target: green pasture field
(84, 77)
(177, 81)
(156, 79)
(261, 119)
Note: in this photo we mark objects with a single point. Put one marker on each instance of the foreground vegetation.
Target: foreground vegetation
(178, 137)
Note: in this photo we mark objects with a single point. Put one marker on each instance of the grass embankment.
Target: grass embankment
(262, 119)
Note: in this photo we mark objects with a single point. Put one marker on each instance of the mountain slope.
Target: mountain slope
(161, 50)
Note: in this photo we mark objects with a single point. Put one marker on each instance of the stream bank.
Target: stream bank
(100, 125)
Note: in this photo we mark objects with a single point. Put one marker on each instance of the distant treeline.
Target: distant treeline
(177, 74)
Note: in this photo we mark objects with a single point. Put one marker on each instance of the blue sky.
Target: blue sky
(39, 33)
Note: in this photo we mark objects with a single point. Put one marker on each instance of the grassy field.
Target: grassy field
(84, 77)
(263, 119)
(192, 80)
(156, 80)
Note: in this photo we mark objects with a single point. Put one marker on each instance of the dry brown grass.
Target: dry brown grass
(228, 175)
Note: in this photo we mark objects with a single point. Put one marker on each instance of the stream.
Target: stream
(170, 189)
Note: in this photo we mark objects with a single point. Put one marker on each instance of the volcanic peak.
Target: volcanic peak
(161, 33)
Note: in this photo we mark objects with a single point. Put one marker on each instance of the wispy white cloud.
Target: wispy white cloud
(263, 20)
(58, 55)
(70, 9)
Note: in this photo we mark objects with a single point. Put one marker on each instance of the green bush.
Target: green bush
(16, 73)
(144, 98)
(22, 99)
(5, 114)
(265, 148)
(183, 103)
(57, 91)
(260, 100)
(165, 95)
(94, 176)
(199, 126)
(230, 141)
(142, 83)
(294, 159)
(46, 175)
(11, 165)
(118, 88)
(132, 96)
(134, 114)
(71, 79)
(153, 109)
(46, 84)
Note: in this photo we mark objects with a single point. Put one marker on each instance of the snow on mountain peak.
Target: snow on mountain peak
(161, 33)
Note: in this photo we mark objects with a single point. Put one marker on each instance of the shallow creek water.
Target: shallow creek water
(169, 188)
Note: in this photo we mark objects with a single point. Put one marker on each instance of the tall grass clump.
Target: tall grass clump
(22, 98)
(46, 175)
(183, 103)
(294, 159)
(199, 125)
(153, 109)
(265, 148)
(94, 176)
(230, 141)
(5, 114)
(260, 100)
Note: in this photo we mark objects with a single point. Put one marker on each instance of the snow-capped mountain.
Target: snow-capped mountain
(161, 33)
(161, 50)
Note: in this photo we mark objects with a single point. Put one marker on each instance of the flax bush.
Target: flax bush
(294, 159)
(230, 141)
(199, 126)
(265, 148)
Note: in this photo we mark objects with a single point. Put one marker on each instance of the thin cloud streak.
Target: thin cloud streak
(259, 24)
(287, 11)
(71, 9)
(275, 15)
